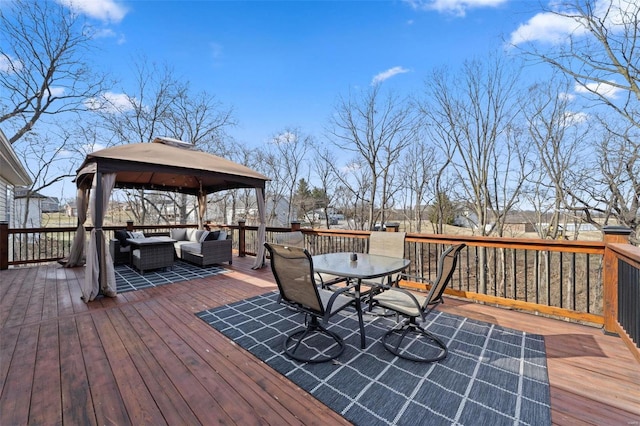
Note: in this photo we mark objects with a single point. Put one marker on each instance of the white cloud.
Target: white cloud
(111, 102)
(104, 33)
(104, 10)
(454, 7)
(56, 91)
(574, 118)
(603, 89)
(285, 137)
(109, 33)
(9, 64)
(385, 75)
(89, 148)
(566, 96)
(546, 27)
(350, 168)
(554, 28)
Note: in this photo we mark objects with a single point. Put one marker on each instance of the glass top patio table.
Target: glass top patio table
(367, 266)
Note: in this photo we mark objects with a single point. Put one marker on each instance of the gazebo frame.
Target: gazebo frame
(165, 164)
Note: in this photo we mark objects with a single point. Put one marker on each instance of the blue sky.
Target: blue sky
(284, 63)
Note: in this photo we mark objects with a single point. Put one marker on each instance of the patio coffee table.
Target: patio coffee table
(367, 266)
(152, 253)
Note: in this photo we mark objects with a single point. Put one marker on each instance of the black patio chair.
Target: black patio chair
(293, 271)
(412, 306)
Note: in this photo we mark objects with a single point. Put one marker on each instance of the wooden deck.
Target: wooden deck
(144, 358)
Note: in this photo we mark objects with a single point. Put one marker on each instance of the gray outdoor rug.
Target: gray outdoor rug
(128, 278)
(492, 375)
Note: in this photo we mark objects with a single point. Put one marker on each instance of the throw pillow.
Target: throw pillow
(203, 236)
(212, 236)
(137, 235)
(198, 235)
(179, 234)
(121, 235)
(191, 235)
(223, 235)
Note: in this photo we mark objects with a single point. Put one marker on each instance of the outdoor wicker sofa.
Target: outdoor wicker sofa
(201, 247)
(190, 245)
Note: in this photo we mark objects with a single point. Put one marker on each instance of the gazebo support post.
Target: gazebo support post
(242, 235)
(98, 228)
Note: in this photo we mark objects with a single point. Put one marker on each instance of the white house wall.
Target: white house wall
(5, 200)
(33, 219)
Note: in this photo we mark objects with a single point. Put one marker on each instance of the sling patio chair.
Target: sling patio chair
(384, 243)
(296, 239)
(292, 269)
(387, 244)
(408, 339)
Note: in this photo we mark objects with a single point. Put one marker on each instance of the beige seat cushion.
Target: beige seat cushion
(400, 301)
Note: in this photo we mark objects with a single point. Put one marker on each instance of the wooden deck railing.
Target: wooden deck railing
(589, 281)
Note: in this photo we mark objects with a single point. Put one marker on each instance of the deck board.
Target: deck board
(46, 398)
(145, 358)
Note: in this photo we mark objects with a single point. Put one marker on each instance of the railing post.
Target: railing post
(612, 234)
(392, 226)
(295, 226)
(4, 245)
(129, 225)
(242, 235)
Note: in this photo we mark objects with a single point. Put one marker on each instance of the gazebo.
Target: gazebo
(165, 164)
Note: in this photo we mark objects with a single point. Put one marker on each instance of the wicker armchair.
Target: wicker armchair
(119, 254)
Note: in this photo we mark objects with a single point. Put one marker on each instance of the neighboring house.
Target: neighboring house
(71, 210)
(466, 219)
(35, 202)
(50, 205)
(319, 215)
(12, 174)
(277, 215)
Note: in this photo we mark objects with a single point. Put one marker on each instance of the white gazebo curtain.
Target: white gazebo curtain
(99, 272)
(262, 231)
(76, 253)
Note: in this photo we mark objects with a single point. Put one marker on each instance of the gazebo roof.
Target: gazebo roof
(169, 165)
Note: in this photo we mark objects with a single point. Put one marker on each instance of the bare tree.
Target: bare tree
(557, 134)
(269, 164)
(610, 184)
(43, 64)
(355, 187)
(602, 55)
(282, 161)
(418, 171)
(47, 167)
(243, 199)
(472, 113)
(376, 129)
(351, 185)
(162, 104)
(322, 166)
(289, 148)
